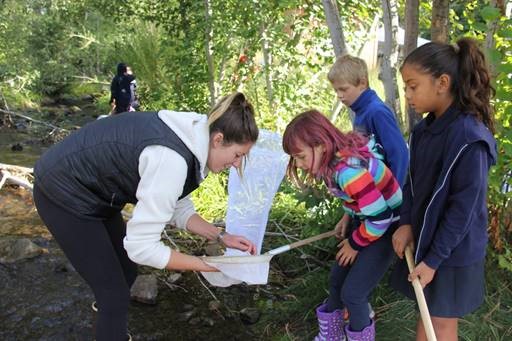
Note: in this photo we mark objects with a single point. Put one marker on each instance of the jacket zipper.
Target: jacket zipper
(433, 198)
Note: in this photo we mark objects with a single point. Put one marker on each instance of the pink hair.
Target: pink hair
(312, 129)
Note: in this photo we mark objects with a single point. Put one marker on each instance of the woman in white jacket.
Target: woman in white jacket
(153, 160)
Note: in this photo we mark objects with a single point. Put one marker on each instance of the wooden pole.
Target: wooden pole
(420, 297)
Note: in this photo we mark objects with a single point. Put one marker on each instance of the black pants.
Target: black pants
(95, 248)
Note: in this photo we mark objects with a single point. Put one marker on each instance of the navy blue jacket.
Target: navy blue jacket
(445, 196)
(375, 117)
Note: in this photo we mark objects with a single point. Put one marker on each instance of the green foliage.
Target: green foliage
(505, 260)
(55, 46)
(210, 199)
(476, 19)
(294, 318)
(501, 201)
(146, 53)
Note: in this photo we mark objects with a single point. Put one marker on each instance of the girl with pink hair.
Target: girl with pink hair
(354, 171)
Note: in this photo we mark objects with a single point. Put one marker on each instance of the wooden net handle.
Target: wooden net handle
(420, 297)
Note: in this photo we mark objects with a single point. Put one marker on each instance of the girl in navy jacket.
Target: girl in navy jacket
(444, 212)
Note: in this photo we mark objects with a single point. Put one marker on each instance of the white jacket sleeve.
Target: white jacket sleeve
(163, 173)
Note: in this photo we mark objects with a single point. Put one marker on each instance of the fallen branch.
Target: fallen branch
(4, 178)
(9, 112)
(91, 80)
(16, 175)
(206, 287)
(14, 180)
(16, 169)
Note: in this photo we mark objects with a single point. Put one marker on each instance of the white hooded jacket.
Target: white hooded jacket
(162, 175)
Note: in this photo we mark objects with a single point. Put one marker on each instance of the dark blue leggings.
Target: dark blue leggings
(95, 248)
(352, 285)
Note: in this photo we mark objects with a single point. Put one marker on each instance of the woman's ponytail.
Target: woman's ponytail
(233, 116)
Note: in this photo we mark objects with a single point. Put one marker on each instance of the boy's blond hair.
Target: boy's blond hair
(348, 69)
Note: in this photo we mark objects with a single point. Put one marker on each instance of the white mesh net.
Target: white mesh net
(249, 203)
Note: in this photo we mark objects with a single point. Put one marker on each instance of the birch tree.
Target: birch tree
(208, 51)
(440, 21)
(335, 29)
(390, 57)
(266, 64)
(492, 25)
(333, 19)
(412, 10)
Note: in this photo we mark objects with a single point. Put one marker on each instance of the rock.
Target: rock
(213, 249)
(187, 307)
(174, 277)
(12, 250)
(145, 289)
(20, 126)
(17, 147)
(186, 315)
(208, 322)
(249, 315)
(87, 98)
(47, 101)
(64, 267)
(68, 100)
(74, 109)
(195, 321)
(214, 305)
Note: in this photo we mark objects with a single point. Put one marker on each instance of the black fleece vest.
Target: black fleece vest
(94, 171)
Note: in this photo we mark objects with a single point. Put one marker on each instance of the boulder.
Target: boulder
(16, 249)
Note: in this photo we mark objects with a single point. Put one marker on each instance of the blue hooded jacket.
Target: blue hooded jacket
(374, 117)
(445, 196)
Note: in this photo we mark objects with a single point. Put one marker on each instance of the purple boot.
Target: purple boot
(367, 334)
(330, 325)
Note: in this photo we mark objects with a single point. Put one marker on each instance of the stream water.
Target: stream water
(43, 298)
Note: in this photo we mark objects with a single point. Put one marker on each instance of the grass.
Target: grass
(396, 315)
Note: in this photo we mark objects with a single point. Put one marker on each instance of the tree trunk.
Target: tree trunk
(412, 11)
(490, 43)
(266, 65)
(209, 57)
(440, 21)
(333, 19)
(334, 23)
(390, 57)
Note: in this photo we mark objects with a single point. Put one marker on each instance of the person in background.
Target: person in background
(153, 160)
(444, 214)
(134, 99)
(353, 170)
(121, 90)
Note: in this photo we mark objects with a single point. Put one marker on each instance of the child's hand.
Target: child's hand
(341, 227)
(346, 255)
(424, 273)
(401, 238)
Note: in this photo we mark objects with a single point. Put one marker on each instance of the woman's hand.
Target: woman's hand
(238, 242)
(196, 224)
(184, 262)
(424, 273)
(341, 227)
(401, 238)
(346, 255)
